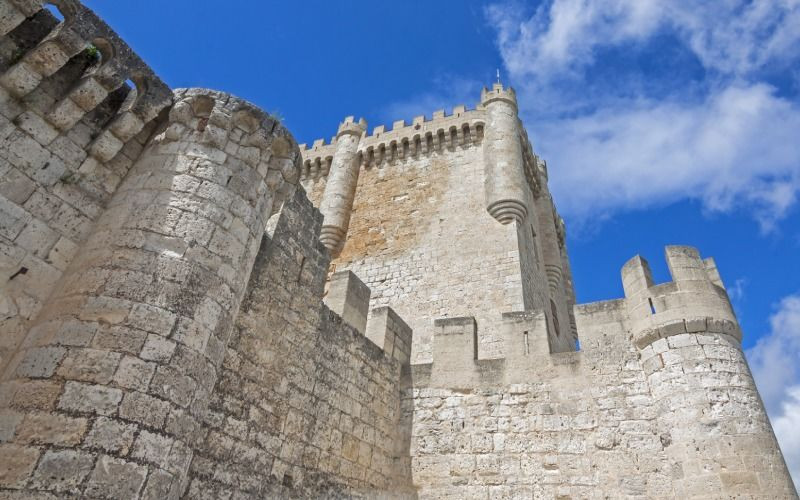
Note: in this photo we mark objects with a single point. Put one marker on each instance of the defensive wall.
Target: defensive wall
(658, 403)
(132, 217)
(172, 325)
(447, 216)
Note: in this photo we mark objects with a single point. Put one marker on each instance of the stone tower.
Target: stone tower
(449, 216)
(178, 320)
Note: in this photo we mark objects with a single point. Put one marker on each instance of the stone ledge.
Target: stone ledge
(647, 336)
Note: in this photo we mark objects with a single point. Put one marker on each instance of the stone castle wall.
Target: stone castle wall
(674, 416)
(421, 237)
(72, 123)
(404, 215)
(163, 332)
(305, 404)
(134, 376)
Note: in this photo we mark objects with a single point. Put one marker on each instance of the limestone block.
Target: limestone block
(65, 114)
(88, 398)
(348, 296)
(62, 470)
(116, 478)
(17, 464)
(10, 17)
(389, 332)
(45, 428)
(105, 146)
(20, 79)
(111, 435)
(37, 127)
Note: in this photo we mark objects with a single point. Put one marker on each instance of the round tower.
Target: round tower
(504, 171)
(340, 189)
(711, 421)
(107, 391)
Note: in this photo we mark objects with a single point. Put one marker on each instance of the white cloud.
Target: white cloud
(728, 139)
(732, 36)
(719, 122)
(786, 425)
(774, 358)
(737, 147)
(774, 363)
(736, 291)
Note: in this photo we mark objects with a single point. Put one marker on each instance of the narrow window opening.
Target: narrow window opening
(527, 345)
(652, 307)
(100, 117)
(302, 266)
(229, 180)
(22, 270)
(130, 96)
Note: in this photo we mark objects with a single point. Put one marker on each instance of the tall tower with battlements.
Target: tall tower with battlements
(192, 305)
(447, 216)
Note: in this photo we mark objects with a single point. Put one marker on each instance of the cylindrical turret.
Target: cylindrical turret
(504, 179)
(340, 190)
(711, 421)
(107, 390)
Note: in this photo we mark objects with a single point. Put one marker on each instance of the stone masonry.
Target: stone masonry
(178, 320)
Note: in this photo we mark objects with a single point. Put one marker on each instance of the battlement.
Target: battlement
(162, 339)
(74, 69)
(529, 343)
(499, 93)
(350, 126)
(424, 136)
(348, 296)
(695, 300)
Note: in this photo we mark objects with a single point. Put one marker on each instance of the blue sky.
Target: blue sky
(662, 122)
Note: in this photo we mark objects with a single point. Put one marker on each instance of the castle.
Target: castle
(195, 306)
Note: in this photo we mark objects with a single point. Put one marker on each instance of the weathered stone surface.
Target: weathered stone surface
(164, 333)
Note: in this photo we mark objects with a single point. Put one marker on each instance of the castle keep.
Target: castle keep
(194, 306)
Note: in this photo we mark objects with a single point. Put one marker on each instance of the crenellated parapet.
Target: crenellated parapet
(529, 342)
(348, 296)
(107, 74)
(423, 137)
(694, 301)
(689, 346)
(137, 328)
(77, 106)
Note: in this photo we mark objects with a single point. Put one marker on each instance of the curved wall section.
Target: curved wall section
(340, 190)
(711, 421)
(504, 174)
(124, 357)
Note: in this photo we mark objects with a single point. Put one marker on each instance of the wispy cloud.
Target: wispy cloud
(736, 291)
(737, 148)
(724, 132)
(773, 361)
